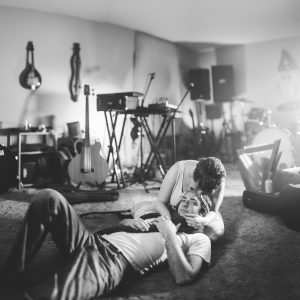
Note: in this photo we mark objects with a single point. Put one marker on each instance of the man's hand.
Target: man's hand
(136, 223)
(195, 221)
(165, 226)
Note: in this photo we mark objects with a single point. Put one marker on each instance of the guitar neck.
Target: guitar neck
(87, 122)
(86, 165)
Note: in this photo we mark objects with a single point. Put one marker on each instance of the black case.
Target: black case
(8, 169)
(262, 202)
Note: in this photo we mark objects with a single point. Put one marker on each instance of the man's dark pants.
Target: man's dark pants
(93, 266)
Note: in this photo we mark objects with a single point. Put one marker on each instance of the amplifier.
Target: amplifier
(118, 101)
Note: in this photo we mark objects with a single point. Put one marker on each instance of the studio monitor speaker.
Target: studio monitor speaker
(201, 88)
(222, 77)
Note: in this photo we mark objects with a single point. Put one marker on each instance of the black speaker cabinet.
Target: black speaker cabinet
(222, 77)
(201, 88)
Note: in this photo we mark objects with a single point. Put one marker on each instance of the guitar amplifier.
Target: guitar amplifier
(117, 101)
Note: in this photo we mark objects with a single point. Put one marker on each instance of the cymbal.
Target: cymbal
(289, 106)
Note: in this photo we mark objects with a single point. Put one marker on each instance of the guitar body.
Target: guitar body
(94, 177)
(30, 78)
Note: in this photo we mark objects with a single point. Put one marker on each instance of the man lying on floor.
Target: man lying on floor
(96, 264)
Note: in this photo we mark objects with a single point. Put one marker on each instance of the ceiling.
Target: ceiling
(196, 23)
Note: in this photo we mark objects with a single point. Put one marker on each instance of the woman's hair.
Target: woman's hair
(209, 173)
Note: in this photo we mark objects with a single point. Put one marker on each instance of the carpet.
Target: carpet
(258, 258)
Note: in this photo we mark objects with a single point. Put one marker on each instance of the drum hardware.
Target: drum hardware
(260, 115)
(268, 119)
(230, 139)
(258, 120)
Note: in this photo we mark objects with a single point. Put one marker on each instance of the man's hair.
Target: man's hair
(209, 173)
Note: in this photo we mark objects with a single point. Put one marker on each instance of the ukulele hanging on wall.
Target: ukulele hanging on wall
(75, 62)
(30, 78)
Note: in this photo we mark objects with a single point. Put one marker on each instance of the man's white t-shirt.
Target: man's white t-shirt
(144, 251)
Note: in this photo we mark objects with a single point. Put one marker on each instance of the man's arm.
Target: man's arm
(154, 206)
(183, 268)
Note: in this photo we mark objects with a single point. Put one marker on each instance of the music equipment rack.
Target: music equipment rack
(114, 109)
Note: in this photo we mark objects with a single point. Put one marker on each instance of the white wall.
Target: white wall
(114, 59)
(106, 54)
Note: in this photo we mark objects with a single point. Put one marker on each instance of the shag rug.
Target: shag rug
(258, 258)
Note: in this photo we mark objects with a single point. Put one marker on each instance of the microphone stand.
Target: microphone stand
(141, 173)
(152, 76)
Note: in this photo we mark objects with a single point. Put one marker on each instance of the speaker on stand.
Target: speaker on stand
(213, 112)
(222, 79)
(200, 79)
(200, 92)
(223, 91)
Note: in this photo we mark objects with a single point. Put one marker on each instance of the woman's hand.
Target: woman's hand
(195, 221)
(136, 223)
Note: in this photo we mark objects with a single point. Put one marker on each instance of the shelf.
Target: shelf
(35, 152)
(22, 148)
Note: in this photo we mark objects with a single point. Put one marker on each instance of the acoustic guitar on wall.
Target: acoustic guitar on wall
(88, 169)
